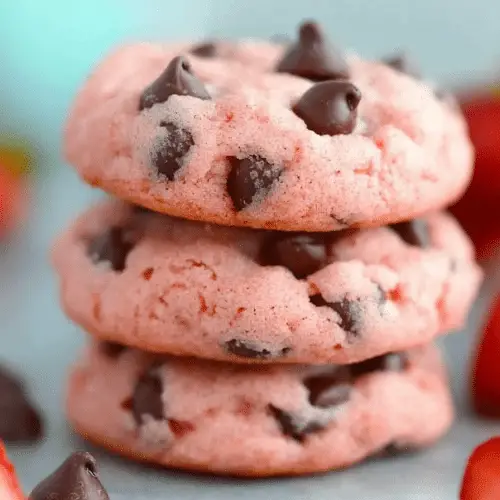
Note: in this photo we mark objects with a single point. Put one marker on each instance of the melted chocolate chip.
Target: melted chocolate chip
(330, 389)
(76, 478)
(313, 57)
(147, 398)
(170, 150)
(329, 108)
(208, 49)
(113, 246)
(250, 180)
(414, 232)
(292, 426)
(395, 362)
(404, 64)
(246, 349)
(303, 254)
(350, 312)
(394, 449)
(19, 421)
(112, 350)
(177, 79)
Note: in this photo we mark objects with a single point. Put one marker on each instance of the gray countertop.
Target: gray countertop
(40, 343)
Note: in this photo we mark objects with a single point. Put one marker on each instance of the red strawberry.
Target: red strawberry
(482, 112)
(486, 371)
(9, 485)
(477, 210)
(11, 200)
(482, 474)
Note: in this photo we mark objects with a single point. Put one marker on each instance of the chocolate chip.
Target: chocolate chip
(113, 247)
(177, 79)
(171, 147)
(350, 312)
(208, 49)
(303, 254)
(246, 349)
(250, 180)
(329, 389)
(313, 57)
(329, 108)
(147, 398)
(112, 350)
(394, 362)
(404, 64)
(292, 426)
(414, 232)
(19, 421)
(395, 448)
(76, 478)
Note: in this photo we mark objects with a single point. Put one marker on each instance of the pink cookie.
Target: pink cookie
(259, 420)
(224, 140)
(186, 288)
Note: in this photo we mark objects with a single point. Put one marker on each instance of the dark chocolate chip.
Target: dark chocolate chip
(19, 421)
(313, 57)
(112, 350)
(395, 448)
(250, 180)
(292, 426)
(113, 246)
(147, 397)
(76, 478)
(246, 349)
(329, 389)
(177, 79)
(350, 312)
(414, 232)
(329, 108)
(208, 49)
(403, 63)
(395, 362)
(170, 149)
(303, 254)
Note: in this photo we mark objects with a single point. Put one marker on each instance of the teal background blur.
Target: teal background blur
(48, 46)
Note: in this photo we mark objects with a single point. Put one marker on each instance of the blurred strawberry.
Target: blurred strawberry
(482, 112)
(11, 199)
(482, 474)
(477, 210)
(9, 485)
(486, 370)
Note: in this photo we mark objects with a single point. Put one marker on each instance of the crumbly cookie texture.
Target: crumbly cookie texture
(186, 288)
(241, 137)
(257, 421)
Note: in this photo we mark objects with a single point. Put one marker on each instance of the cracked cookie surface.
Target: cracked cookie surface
(226, 139)
(187, 288)
(258, 421)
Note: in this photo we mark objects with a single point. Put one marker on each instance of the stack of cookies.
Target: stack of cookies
(263, 292)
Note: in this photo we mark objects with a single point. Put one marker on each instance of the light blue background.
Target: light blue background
(48, 46)
(46, 49)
